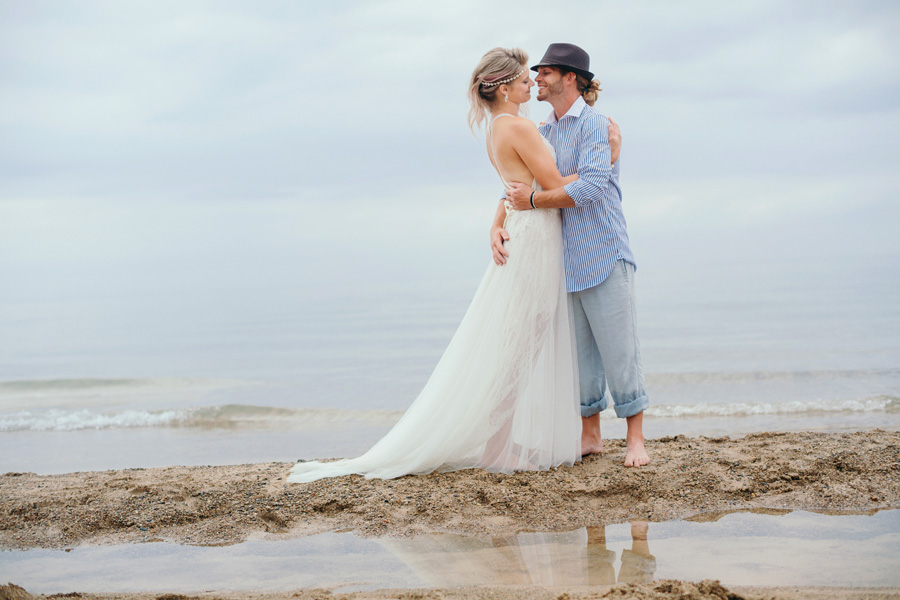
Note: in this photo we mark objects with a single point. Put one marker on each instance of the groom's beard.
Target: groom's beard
(552, 89)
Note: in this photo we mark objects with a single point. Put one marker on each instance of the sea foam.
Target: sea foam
(248, 416)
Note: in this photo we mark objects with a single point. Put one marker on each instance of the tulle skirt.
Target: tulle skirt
(504, 395)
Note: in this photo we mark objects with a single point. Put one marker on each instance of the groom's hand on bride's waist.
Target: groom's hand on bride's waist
(519, 195)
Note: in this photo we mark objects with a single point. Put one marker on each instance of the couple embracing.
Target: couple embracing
(552, 324)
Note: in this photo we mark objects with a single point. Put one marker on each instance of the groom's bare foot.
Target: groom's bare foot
(635, 452)
(591, 442)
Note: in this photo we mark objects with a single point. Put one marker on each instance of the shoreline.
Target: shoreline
(688, 478)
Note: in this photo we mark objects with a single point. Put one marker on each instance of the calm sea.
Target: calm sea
(141, 377)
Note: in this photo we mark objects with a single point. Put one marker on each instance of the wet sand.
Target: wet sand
(657, 590)
(696, 478)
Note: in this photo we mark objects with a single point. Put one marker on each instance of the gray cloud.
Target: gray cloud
(239, 118)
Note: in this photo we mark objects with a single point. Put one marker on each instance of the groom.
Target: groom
(599, 264)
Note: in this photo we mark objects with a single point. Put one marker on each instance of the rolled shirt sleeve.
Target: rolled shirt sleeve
(593, 161)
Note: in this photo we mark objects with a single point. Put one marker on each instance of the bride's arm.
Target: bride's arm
(528, 149)
(594, 175)
(529, 145)
(533, 155)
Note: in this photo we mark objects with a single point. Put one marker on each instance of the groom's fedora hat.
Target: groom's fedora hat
(567, 56)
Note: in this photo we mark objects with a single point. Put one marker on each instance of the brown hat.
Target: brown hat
(567, 56)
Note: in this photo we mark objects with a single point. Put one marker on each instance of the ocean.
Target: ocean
(145, 376)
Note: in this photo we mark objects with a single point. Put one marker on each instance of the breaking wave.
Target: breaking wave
(224, 417)
(746, 409)
(246, 416)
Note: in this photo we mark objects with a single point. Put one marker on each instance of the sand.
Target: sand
(657, 590)
(697, 478)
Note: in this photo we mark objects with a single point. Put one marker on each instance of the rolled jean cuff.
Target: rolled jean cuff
(593, 407)
(630, 408)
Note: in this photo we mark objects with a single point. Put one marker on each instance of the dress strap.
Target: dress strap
(491, 146)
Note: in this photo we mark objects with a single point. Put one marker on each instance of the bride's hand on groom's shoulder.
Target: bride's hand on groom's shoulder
(615, 141)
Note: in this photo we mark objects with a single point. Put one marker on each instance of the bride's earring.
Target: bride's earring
(506, 97)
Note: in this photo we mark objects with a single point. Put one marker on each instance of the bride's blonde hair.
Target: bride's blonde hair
(496, 65)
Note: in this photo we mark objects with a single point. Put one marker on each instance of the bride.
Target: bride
(503, 396)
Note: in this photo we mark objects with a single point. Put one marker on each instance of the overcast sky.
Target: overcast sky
(150, 133)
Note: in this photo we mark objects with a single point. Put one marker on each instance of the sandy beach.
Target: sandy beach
(658, 590)
(690, 478)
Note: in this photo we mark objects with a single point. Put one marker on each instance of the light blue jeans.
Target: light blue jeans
(609, 353)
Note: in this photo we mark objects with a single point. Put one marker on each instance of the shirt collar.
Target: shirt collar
(574, 111)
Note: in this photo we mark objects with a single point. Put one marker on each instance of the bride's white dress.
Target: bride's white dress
(503, 396)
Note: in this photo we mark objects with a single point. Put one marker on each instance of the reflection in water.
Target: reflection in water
(638, 565)
(742, 548)
(578, 557)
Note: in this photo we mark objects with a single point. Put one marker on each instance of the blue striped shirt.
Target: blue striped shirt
(594, 234)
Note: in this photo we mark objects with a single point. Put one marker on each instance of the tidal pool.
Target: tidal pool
(741, 548)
